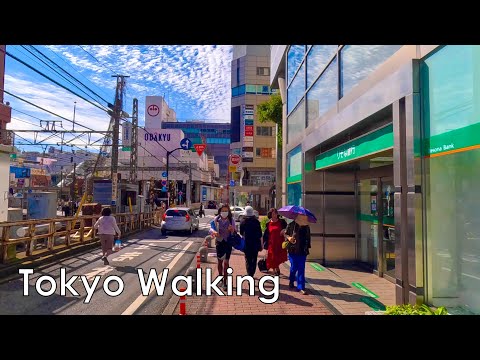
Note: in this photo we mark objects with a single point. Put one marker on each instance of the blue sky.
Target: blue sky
(195, 81)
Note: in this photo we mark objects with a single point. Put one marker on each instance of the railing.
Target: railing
(34, 238)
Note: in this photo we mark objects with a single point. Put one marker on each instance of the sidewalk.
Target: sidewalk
(332, 291)
(290, 302)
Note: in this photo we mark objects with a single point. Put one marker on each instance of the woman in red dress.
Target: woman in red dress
(273, 239)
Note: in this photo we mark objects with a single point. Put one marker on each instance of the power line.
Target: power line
(54, 81)
(70, 75)
(61, 58)
(114, 72)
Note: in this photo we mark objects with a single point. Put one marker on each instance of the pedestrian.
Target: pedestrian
(273, 237)
(224, 226)
(107, 227)
(200, 212)
(298, 234)
(66, 209)
(251, 230)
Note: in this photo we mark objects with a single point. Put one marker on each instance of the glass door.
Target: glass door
(388, 227)
(367, 216)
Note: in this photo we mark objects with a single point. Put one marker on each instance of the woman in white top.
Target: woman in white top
(107, 227)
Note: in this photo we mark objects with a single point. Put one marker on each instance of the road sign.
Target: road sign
(180, 193)
(114, 202)
(164, 182)
(235, 159)
(126, 148)
(232, 169)
(164, 174)
(232, 182)
(164, 189)
(185, 153)
(185, 143)
(200, 148)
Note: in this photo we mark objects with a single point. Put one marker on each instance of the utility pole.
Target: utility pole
(189, 186)
(74, 107)
(168, 173)
(134, 143)
(117, 111)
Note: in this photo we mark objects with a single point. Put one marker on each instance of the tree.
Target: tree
(271, 110)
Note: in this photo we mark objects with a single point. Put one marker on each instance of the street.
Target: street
(146, 250)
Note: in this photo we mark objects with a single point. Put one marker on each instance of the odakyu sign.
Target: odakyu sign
(159, 141)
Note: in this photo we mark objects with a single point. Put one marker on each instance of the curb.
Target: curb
(317, 294)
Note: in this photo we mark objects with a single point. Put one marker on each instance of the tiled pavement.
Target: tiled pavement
(332, 293)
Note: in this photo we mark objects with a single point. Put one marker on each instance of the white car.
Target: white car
(238, 212)
(179, 219)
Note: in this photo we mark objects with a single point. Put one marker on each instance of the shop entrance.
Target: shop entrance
(375, 220)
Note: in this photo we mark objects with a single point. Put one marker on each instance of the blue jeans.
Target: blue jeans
(297, 264)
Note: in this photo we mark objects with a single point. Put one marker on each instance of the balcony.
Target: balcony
(6, 137)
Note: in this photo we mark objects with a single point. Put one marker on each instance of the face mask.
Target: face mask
(224, 214)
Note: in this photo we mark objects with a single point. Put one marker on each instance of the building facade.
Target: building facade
(215, 135)
(382, 145)
(255, 142)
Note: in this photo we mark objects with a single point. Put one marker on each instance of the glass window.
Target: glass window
(241, 90)
(296, 90)
(296, 122)
(317, 59)
(294, 58)
(451, 147)
(358, 61)
(263, 71)
(323, 94)
(258, 151)
(251, 89)
(294, 194)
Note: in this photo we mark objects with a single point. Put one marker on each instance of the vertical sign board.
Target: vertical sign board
(153, 111)
(126, 136)
(204, 193)
(114, 188)
(247, 131)
(102, 192)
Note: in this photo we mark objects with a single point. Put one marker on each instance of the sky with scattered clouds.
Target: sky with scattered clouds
(195, 81)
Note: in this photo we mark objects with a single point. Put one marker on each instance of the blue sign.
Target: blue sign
(232, 182)
(248, 122)
(204, 193)
(164, 189)
(164, 183)
(102, 192)
(164, 174)
(185, 144)
(114, 202)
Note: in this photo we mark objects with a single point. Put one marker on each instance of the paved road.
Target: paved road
(147, 250)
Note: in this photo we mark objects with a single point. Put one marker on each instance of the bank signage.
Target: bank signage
(454, 141)
(366, 145)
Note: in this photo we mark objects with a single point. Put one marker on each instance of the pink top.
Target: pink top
(107, 225)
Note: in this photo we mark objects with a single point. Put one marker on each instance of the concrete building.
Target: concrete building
(215, 135)
(388, 160)
(255, 142)
(156, 111)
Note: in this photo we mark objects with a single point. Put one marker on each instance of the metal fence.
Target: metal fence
(33, 238)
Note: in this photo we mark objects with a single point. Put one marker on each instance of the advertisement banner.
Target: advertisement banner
(127, 134)
(248, 128)
(248, 132)
(248, 143)
(248, 122)
(153, 111)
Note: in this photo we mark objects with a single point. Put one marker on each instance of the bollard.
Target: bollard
(208, 241)
(183, 309)
(203, 254)
(198, 260)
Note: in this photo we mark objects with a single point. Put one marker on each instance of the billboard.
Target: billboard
(102, 192)
(127, 134)
(153, 111)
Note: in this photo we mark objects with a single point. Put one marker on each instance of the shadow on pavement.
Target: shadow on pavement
(328, 282)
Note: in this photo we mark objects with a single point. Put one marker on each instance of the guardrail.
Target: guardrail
(32, 238)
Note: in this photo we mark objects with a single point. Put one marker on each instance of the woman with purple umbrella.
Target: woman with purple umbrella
(298, 234)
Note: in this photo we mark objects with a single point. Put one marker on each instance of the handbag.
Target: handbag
(262, 265)
(118, 245)
(237, 241)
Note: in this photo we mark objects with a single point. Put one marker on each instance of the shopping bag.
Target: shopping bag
(117, 245)
(237, 241)
(262, 265)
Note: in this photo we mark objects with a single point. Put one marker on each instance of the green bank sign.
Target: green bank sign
(458, 140)
(372, 143)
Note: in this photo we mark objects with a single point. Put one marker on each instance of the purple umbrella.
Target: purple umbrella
(291, 211)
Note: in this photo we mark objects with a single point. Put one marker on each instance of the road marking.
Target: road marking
(140, 299)
(142, 247)
(127, 256)
(97, 271)
(374, 304)
(364, 289)
(317, 267)
(157, 241)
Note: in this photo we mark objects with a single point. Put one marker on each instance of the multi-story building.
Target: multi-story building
(382, 145)
(215, 135)
(157, 111)
(254, 141)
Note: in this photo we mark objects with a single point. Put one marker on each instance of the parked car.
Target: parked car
(212, 204)
(238, 212)
(179, 219)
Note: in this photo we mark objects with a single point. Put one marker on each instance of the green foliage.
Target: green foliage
(408, 309)
(271, 110)
(263, 223)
